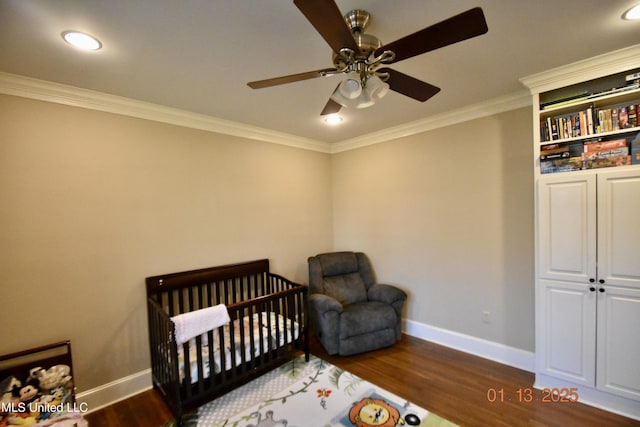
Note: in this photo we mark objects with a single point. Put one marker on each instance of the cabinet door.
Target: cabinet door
(619, 228)
(618, 368)
(567, 227)
(567, 318)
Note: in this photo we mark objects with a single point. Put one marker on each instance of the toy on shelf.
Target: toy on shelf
(37, 388)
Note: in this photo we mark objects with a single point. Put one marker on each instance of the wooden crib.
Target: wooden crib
(268, 326)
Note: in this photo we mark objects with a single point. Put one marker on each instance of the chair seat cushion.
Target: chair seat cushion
(366, 317)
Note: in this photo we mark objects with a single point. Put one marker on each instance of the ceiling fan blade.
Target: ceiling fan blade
(289, 79)
(327, 19)
(460, 27)
(409, 86)
(331, 107)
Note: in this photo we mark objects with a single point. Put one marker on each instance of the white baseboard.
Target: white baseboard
(589, 396)
(501, 353)
(115, 391)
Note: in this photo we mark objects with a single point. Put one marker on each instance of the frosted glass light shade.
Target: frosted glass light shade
(376, 87)
(350, 88)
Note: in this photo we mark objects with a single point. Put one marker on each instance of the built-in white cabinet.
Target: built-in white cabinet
(589, 279)
(587, 229)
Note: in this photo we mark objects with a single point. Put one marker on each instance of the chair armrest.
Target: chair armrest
(387, 294)
(324, 303)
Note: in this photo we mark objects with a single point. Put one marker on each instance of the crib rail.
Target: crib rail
(164, 357)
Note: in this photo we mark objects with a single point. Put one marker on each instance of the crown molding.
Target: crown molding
(612, 62)
(475, 111)
(27, 87)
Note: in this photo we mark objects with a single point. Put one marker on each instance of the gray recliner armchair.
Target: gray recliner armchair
(350, 313)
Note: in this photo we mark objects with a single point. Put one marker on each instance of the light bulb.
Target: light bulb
(81, 40)
(333, 119)
(632, 14)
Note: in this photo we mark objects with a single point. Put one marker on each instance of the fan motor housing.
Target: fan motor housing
(357, 20)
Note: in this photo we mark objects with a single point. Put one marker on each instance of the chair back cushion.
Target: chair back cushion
(338, 263)
(345, 276)
(346, 288)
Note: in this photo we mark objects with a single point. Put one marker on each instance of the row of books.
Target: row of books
(590, 155)
(591, 121)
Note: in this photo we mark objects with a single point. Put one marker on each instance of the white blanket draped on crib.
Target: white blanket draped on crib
(190, 325)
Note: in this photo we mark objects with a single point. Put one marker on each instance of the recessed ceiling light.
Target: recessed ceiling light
(333, 119)
(632, 14)
(81, 40)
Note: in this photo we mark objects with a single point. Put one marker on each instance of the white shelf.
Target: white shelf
(619, 98)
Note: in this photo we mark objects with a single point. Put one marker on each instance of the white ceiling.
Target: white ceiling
(198, 55)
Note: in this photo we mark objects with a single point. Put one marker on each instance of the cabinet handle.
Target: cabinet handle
(592, 280)
(601, 281)
(592, 288)
(601, 289)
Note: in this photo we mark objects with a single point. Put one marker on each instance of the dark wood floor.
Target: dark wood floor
(455, 385)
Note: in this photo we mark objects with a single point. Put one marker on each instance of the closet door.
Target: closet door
(567, 227)
(618, 333)
(567, 328)
(619, 228)
(619, 341)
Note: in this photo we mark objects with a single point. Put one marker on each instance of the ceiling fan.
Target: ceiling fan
(359, 55)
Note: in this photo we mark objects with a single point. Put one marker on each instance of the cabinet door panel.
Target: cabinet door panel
(566, 227)
(618, 368)
(568, 332)
(619, 227)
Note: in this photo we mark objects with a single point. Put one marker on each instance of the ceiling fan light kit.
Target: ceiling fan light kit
(359, 55)
(353, 93)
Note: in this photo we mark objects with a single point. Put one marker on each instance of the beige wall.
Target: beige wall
(448, 216)
(92, 203)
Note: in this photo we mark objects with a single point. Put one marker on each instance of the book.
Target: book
(603, 154)
(592, 147)
(544, 131)
(623, 118)
(553, 129)
(561, 165)
(575, 119)
(614, 152)
(605, 162)
(583, 123)
(559, 155)
(632, 116)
